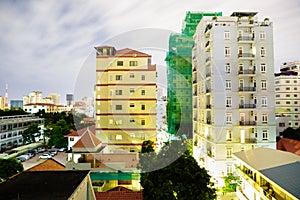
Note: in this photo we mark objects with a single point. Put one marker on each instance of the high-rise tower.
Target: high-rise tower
(233, 87)
(125, 98)
(6, 104)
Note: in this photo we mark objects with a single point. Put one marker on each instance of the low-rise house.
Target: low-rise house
(268, 174)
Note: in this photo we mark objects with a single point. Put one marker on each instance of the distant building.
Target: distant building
(233, 89)
(2, 104)
(125, 98)
(70, 99)
(16, 104)
(36, 107)
(55, 98)
(268, 174)
(287, 95)
(12, 127)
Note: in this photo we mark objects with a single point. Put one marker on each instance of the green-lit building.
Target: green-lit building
(179, 72)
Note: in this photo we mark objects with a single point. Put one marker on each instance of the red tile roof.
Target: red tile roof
(130, 52)
(118, 193)
(290, 145)
(88, 139)
(81, 131)
(48, 165)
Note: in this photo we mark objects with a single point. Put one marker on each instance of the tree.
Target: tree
(9, 167)
(28, 134)
(231, 182)
(181, 179)
(57, 133)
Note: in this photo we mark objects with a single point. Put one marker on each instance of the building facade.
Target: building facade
(16, 104)
(12, 127)
(233, 89)
(287, 96)
(125, 98)
(179, 73)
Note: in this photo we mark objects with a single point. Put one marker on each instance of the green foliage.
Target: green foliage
(148, 146)
(57, 133)
(9, 167)
(230, 183)
(181, 179)
(12, 112)
(291, 133)
(28, 136)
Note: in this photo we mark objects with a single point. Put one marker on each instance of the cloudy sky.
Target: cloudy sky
(48, 45)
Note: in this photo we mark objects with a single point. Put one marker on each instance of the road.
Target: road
(60, 157)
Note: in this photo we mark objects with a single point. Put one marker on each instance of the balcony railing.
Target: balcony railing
(208, 74)
(245, 38)
(247, 89)
(208, 121)
(208, 90)
(208, 106)
(247, 123)
(247, 106)
(247, 71)
(246, 55)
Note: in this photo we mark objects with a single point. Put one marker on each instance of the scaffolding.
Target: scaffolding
(179, 73)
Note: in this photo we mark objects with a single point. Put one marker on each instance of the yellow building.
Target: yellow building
(125, 98)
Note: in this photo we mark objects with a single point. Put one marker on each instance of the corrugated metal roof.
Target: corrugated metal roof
(286, 176)
(264, 158)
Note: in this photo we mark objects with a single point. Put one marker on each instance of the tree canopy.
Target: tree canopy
(28, 134)
(181, 179)
(9, 167)
(57, 133)
(291, 133)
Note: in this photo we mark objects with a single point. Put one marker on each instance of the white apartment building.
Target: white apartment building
(233, 89)
(287, 96)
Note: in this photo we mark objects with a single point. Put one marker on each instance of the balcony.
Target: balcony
(245, 39)
(208, 121)
(246, 55)
(247, 123)
(247, 106)
(208, 74)
(247, 72)
(247, 89)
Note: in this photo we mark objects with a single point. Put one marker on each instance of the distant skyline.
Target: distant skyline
(46, 45)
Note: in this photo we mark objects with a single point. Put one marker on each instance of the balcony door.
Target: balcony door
(242, 117)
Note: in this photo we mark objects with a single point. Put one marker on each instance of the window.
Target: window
(131, 120)
(227, 51)
(131, 75)
(131, 105)
(281, 124)
(228, 118)
(228, 84)
(118, 107)
(228, 101)
(119, 122)
(143, 107)
(118, 77)
(143, 122)
(71, 138)
(118, 92)
(229, 152)
(265, 135)
(111, 122)
(143, 77)
(228, 135)
(119, 63)
(132, 135)
(263, 84)
(262, 51)
(263, 67)
(143, 92)
(287, 88)
(227, 67)
(263, 101)
(287, 95)
(118, 137)
(262, 35)
(264, 118)
(226, 35)
(133, 63)
(229, 169)
(131, 90)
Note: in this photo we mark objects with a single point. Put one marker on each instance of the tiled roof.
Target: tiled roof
(118, 193)
(290, 145)
(46, 185)
(48, 165)
(130, 52)
(81, 131)
(286, 176)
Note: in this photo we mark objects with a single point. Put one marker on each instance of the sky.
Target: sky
(48, 46)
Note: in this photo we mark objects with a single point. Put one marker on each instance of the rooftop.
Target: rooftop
(256, 158)
(42, 185)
